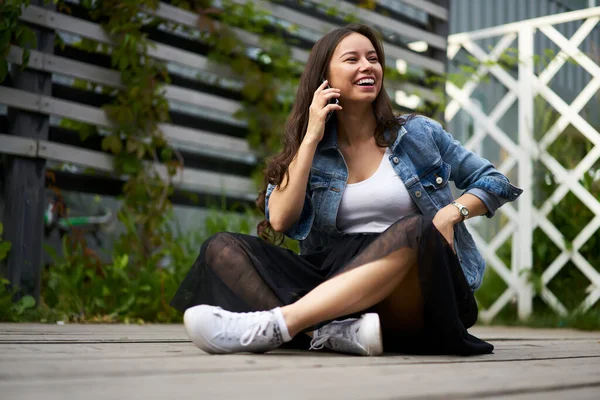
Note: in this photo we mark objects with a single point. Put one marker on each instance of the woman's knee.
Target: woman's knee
(216, 245)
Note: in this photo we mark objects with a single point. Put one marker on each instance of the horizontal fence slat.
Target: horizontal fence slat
(398, 27)
(207, 139)
(206, 181)
(72, 154)
(96, 116)
(17, 145)
(429, 7)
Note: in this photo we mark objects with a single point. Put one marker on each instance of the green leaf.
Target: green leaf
(123, 63)
(27, 302)
(1, 228)
(112, 143)
(166, 154)
(4, 249)
(27, 39)
(25, 58)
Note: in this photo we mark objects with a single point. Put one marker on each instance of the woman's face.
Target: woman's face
(355, 69)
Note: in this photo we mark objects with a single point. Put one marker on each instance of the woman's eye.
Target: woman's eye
(351, 59)
(374, 59)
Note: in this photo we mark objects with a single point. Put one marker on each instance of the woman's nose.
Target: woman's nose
(365, 65)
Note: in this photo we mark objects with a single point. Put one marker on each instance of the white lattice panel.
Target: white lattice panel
(523, 153)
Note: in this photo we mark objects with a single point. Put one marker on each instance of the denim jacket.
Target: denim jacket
(422, 153)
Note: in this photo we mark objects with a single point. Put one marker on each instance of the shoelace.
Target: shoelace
(233, 322)
(254, 330)
(318, 342)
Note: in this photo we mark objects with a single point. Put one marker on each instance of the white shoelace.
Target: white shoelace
(317, 343)
(343, 333)
(232, 323)
(254, 330)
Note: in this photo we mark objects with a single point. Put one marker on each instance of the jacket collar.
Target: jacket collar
(329, 140)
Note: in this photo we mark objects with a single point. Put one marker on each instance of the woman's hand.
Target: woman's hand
(318, 111)
(444, 221)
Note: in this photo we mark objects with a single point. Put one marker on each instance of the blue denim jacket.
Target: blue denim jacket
(422, 152)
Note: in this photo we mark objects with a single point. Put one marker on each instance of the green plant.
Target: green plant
(14, 32)
(9, 309)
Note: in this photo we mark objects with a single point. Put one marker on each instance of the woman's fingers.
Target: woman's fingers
(332, 107)
(330, 95)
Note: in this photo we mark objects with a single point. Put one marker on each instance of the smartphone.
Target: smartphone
(331, 101)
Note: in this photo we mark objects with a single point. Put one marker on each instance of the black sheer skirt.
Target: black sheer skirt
(245, 273)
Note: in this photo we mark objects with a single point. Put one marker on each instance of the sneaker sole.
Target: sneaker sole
(190, 322)
(371, 327)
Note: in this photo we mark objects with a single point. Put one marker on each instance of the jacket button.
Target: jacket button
(418, 193)
(439, 180)
(395, 160)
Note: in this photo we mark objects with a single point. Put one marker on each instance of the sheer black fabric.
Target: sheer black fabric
(245, 273)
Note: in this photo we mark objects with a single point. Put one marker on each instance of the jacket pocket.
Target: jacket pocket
(437, 178)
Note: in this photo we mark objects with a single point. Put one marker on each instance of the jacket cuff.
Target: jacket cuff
(492, 203)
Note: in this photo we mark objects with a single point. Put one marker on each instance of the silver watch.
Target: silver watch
(464, 211)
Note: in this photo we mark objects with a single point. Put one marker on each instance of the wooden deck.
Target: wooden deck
(158, 362)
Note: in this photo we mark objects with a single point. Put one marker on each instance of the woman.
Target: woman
(386, 261)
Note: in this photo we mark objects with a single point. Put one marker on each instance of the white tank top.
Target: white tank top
(376, 203)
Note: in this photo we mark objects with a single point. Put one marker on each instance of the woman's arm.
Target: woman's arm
(286, 201)
(485, 188)
(285, 205)
(448, 216)
(472, 173)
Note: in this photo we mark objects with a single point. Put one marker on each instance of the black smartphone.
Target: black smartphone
(330, 101)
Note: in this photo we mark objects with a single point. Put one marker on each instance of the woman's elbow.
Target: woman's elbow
(278, 224)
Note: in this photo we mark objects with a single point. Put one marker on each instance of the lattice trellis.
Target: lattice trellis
(522, 222)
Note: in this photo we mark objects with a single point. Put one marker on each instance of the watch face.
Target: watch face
(464, 212)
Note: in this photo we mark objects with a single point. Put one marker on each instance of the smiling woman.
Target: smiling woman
(382, 240)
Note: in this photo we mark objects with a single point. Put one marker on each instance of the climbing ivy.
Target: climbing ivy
(13, 32)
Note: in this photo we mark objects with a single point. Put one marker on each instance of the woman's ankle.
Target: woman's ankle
(293, 324)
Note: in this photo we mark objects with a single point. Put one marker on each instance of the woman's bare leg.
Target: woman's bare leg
(352, 291)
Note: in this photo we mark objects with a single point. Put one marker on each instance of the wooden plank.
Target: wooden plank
(16, 145)
(175, 331)
(207, 181)
(152, 381)
(575, 392)
(427, 6)
(524, 333)
(127, 348)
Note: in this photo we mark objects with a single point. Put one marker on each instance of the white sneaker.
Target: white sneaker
(360, 336)
(217, 331)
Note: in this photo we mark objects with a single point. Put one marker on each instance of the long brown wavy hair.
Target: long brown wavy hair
(297, 122)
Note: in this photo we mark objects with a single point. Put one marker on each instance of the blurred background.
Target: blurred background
(130, 131)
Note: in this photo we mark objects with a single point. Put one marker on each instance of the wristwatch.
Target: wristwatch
(464, 211)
